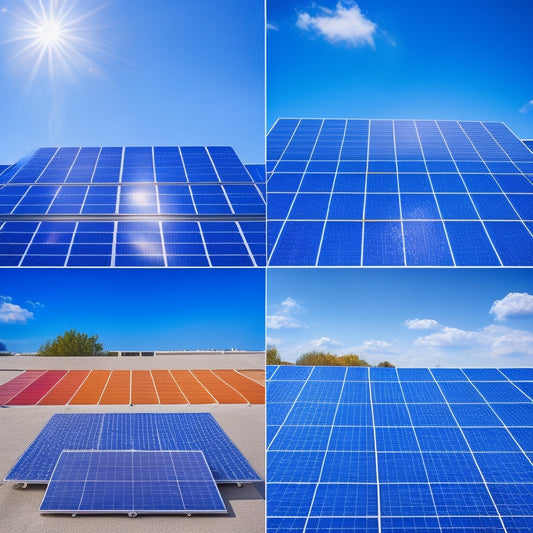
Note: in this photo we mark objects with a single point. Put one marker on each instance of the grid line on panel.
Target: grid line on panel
(299, 186)
(325, 453)
(331, 194)
(498, 417)
(469, 192)
(291, 408)
(433, 191)
(371, 400)
(246, 244)
(399, 200)
(363, 226)
(512, 161)
(472, 454)
(420, 451)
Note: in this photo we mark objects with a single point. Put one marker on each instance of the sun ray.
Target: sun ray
(55, 37)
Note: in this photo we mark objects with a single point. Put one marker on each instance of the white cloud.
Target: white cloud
(344, 25)
(515, 304)
(424, 323)
(12, 313)
(283, 315)
(290, 305)
(489, 343)
(448, 337)
(3, 10)
(282, 321)
(527, 107)
(373, 348)
(35, 305)
(271, 26)
(324, 343)
(273, 341)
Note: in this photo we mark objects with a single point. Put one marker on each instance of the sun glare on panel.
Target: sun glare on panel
(54, 36)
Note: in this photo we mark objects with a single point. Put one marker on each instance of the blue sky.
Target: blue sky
(459, 59)
(134, 309)
(147, 73)
(410, 317)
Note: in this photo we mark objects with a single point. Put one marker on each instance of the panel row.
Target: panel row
(135, 243)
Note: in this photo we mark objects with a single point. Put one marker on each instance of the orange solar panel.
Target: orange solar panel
(65, 389)
(38, 388)
(220, 390)
(91, 390)
(256, 375)
(17, 384)
(193, 390)
(117, 390)
(167, 388)
(142, 387)
(251, 390)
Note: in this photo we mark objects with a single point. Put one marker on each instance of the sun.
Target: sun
(54, 35)
(51, 33)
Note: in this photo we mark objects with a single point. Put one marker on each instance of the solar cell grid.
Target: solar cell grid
(425, 461)
(127, 431)
(118, 185)
(420, 183)
(132, 482)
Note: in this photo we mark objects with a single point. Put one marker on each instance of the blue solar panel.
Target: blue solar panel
(140, 431)
(163, 207)
(132, 482)
(428, 449)
(413, 193)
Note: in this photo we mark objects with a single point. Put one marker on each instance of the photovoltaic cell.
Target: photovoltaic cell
(398, 193)
(170, 482)
(422, 450)
(126, 431)
(132, 207)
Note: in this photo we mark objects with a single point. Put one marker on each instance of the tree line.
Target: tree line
(316, 358)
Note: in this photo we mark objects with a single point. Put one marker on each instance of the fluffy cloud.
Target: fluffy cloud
(374, 347)
(281, 321)
(448, 337)
(490, 343)
(515, 304)
(11, 313)
(324, 343)
(424, 323)
(283, 316)
(346, 24)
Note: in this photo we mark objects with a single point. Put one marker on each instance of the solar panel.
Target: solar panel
(132, 482)
(139, 431)
(529, 143)
(132, 207)
(351, 192)
(420, 450)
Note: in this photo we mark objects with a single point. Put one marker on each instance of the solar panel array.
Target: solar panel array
(149, 206)
(132, 482)
(116, 387)
(133, 431)
(529, 144)
(398, 193)
(385, 449)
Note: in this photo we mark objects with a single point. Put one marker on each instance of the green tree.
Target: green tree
(351, 360)
(72, 343)
(273, 357)
(315, 358)
(386, 364)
